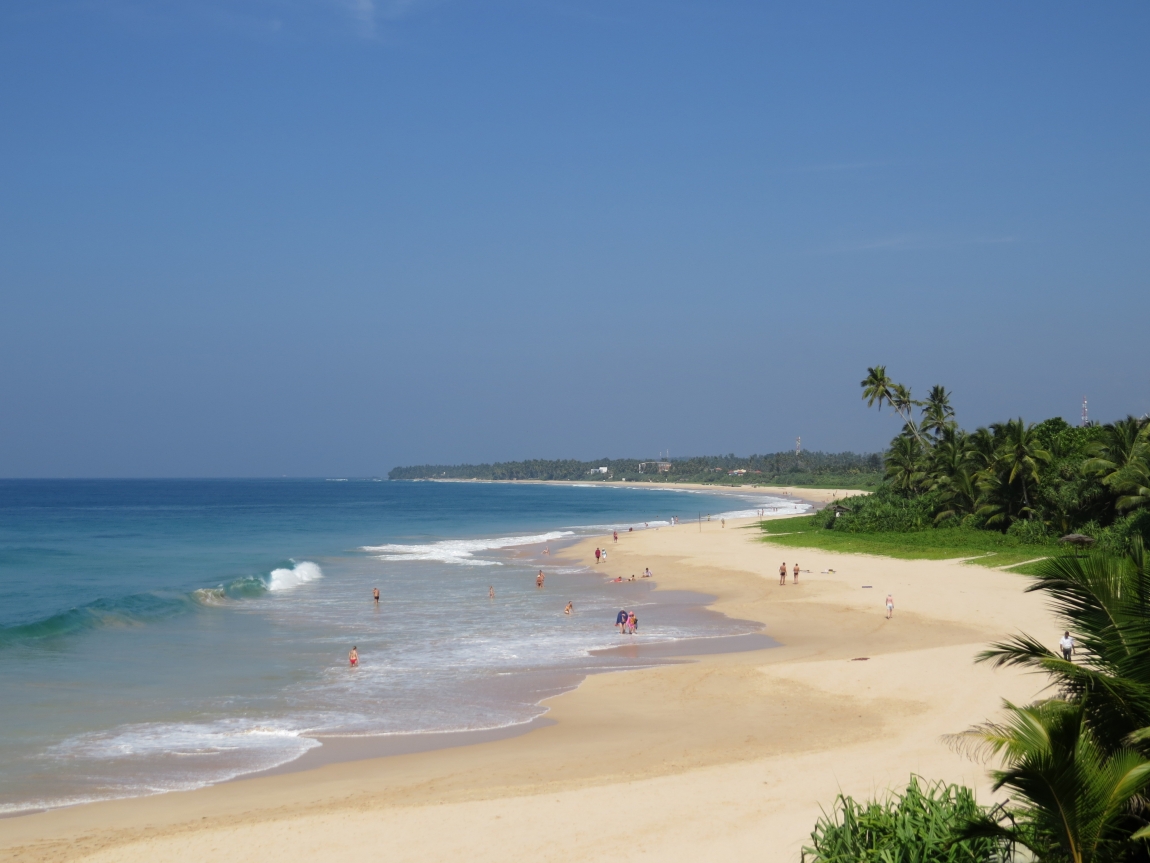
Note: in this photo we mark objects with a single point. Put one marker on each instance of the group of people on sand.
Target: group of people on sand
(783, 573)
(627, 623)
(600, 554)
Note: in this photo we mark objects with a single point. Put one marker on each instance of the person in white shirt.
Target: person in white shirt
(1067, 645)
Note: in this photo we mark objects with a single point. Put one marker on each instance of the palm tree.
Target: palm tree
(937, 412)
(1134, 483)
(1105, 602)
(1124, 443)
(1020, 453)
(1080, 803)
(905, 464)
(877, 387)
(1122, 458)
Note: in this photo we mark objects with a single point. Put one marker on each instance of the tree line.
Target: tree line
(781, 467)
(1040, 481)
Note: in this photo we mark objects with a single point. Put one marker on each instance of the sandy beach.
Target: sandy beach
(726, 756)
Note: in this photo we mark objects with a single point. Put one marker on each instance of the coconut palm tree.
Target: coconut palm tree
(1078, 802)
(877, 386)
(905, 464)
(937, 412)
(1124, 443)
(1020, 452)
(1105, 602)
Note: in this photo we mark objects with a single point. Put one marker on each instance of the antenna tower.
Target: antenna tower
(1085, 416)
(798, 446)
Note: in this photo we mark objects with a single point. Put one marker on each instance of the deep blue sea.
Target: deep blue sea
(163, 635)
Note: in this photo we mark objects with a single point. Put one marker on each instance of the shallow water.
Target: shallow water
(162, 635)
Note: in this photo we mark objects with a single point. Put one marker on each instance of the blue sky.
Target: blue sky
(314, 237)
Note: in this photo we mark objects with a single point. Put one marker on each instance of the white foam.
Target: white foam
(188, 739)
(461, 551)
(300, 573)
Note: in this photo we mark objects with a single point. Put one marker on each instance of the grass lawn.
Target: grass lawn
(988, 548)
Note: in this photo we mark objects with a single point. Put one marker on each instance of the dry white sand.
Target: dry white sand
(727, 757)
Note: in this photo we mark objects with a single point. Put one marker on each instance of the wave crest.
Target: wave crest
(461, 551)
(142, 608)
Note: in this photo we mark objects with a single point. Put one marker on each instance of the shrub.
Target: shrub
(917, 826)
(1030, 531)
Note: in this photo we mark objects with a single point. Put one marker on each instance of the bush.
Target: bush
(885, 511)
(1030, 531)
(1115, 539)
(917, 826)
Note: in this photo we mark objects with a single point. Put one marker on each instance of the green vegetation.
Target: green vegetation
(985, 548)
(917, 826)
(811, 469)
(1077, 766)
(1012, 488)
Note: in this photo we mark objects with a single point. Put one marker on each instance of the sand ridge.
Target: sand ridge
(730, 754)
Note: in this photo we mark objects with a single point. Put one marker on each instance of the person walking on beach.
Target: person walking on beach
(783, 572)
(723, 521)
(569, 608)
(539, 579)
(604, 555)
(1067, 645)
(796, 574)
(620, 621)
(615, 534)
(598, 554)
(889, 606)
(353, 657)
(375, 594)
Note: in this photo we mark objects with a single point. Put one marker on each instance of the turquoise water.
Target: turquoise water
(163, 635)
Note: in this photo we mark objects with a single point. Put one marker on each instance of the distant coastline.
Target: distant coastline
(797, 469)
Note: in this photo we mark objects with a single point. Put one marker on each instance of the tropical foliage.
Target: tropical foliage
(1076, 765)
(917, 826)
(1039, 481)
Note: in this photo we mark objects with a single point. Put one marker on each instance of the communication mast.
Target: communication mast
(1085, 416)
(798, 446)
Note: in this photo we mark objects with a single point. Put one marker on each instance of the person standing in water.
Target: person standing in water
(491, 591)
(570, 607)
(353, 657)
(620, 621)
(539, 579)
(889, 606)
(375, 594)
(783, 572)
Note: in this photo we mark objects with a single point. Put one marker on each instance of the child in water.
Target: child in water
(353, 657)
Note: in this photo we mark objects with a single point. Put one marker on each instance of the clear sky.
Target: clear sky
(325, 237)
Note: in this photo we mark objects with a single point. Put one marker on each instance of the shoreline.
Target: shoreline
(805, 493)
(785, 708)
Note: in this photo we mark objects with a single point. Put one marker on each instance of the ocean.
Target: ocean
(160, 635)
